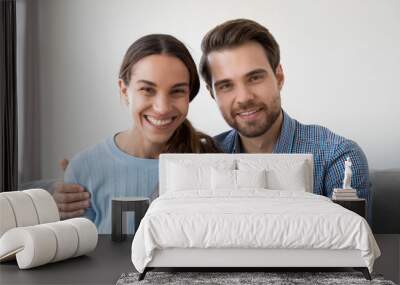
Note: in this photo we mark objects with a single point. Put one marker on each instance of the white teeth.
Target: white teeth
(159, 122)
(248, 113)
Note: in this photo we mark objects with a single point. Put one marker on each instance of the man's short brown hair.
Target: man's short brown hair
(234, 33)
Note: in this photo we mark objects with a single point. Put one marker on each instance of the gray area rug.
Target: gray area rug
(229, 278)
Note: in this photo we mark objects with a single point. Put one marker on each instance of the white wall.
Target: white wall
(340, 57)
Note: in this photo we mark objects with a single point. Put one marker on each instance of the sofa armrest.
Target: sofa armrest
(385, 192)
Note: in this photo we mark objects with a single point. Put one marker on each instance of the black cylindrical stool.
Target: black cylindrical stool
(139, 205)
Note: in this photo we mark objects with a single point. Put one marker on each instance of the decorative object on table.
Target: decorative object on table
(120, 206)
(347, 174)
(344, 194)
(347, 192)
(31, 231)
(243, 278)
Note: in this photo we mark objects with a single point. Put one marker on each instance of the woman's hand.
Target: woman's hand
(71, 199)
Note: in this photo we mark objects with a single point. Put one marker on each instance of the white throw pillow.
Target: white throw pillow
(282, 174)
(251, 178)
(183, 178)
(223, 179)
(292, 179)
(184, 175)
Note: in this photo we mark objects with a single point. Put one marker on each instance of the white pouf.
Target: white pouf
(40, 244)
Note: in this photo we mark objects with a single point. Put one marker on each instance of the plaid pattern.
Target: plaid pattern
(328, 149)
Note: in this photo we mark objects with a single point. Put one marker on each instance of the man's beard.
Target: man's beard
(258, 127)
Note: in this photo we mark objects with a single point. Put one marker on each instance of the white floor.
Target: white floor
(389, 262)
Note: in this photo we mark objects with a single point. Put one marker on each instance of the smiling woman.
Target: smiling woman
(157, 80)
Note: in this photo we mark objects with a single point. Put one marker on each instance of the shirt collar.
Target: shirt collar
(284, 143)
(237, 145)
(285, 140)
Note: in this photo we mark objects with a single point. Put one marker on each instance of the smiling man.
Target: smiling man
(242, 70)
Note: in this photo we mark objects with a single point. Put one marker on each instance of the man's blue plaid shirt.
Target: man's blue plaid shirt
(329, 150)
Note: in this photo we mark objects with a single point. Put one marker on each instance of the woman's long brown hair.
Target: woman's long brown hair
(185, 139)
